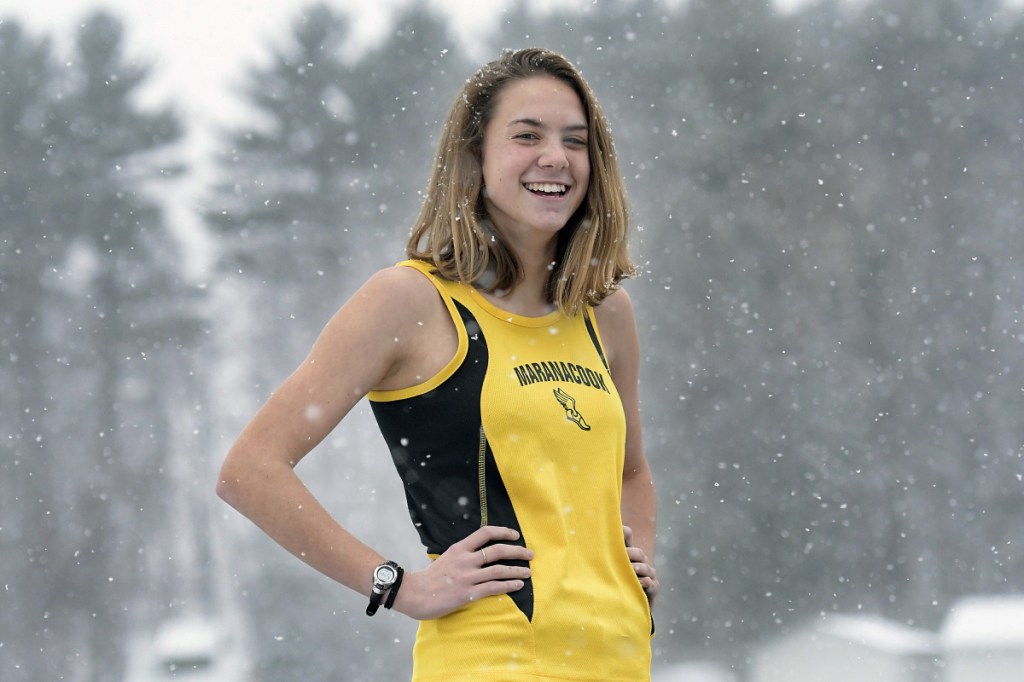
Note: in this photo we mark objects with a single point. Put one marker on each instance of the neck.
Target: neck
(529, 295)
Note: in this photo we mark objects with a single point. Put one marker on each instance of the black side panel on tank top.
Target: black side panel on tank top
(435, 441)
(593, 337)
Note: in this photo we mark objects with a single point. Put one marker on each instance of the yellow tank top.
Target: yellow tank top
(523, 428)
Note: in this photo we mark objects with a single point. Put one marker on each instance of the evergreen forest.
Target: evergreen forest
(827, 211)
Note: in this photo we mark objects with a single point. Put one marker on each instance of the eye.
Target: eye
(576, 141)
(527, 135)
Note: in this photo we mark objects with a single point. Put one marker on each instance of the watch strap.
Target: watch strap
(378, 591)
(393, 592)
(374, 604)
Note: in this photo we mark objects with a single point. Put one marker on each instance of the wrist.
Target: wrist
(385, 577)
(389, 598)
(406, 600)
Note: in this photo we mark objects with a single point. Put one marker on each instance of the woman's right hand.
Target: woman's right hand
(465, 573)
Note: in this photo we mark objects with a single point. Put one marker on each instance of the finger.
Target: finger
(485, 535)
(504, 572)
(644, 570)
(507, 553)
(627, 535)
(636, 554)
(493, 587)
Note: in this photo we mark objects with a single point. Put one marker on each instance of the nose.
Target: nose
(553, 156)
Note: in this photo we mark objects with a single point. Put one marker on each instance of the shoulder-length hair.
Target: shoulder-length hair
(592, 256)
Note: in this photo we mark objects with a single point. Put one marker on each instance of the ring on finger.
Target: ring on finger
(483, 553)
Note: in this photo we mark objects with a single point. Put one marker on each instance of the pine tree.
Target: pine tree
(30, 249)
(416, 73)
(107, 156)
(291, 184)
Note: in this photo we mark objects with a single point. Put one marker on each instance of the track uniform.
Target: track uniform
(524, 429)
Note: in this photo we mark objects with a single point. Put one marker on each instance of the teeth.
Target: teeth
(546, 187)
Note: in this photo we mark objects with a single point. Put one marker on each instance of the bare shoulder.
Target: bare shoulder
(382, 313)
(617, 308)
(398, 321)
(617, 325)
(398, 288)
(392, 300)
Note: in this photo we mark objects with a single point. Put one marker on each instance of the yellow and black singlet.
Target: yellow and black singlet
(524, 429)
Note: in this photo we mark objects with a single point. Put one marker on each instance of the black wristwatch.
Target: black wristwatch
(384, 577)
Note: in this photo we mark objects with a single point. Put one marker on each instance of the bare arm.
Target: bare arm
(639, 513)
(379, 339)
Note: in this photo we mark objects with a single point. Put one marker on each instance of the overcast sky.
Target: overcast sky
(200, 50)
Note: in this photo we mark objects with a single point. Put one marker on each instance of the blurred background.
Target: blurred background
(827, 205)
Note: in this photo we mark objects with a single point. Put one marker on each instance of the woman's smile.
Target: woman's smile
(535, 158)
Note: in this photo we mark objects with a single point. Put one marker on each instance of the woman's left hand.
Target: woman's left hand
(641, 565)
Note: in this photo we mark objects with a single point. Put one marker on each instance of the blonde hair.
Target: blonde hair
(592, 256)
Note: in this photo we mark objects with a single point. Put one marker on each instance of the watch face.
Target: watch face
(385, 574)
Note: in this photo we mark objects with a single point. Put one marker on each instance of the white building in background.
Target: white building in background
(983, 640)
(693, 671)
(849, 648)
(190, 648)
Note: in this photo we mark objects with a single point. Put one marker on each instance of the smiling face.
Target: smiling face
(535, 159)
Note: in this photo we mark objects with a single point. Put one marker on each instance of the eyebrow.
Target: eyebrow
(539, 124)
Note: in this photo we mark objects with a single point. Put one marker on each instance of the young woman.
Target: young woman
(501, 364)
